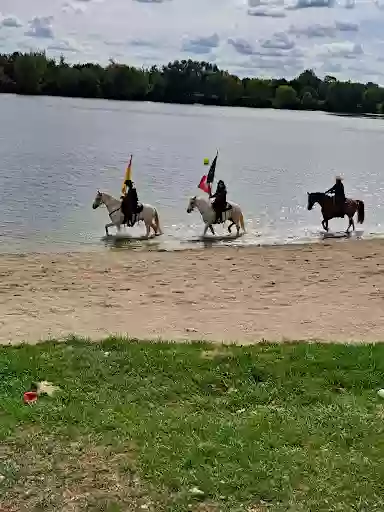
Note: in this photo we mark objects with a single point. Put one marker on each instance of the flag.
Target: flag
(128, 175)
(204, 186)
(211, 173)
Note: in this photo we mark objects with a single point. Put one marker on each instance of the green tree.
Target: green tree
(372, 98)
(285, 97)
(68, 81)
(184, 81)
(29, 72)
(308, 102)
(257, 93)
(125, 83)
(345, 97)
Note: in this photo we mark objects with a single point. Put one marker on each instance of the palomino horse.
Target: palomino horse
(233, 214)
(329, 209)
(148, 214)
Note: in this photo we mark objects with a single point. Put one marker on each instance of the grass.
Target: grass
(138, 426)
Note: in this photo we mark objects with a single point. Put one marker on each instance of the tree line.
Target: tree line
(186, 82)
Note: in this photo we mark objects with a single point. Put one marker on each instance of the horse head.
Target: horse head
(98, 200)
(313, 198)
(191, 204)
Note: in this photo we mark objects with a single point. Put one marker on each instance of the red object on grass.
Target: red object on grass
(30, 397)
(204, 186)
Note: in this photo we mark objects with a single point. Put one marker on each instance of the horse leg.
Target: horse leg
(154, 227)
(148, 228)
(351, 224)
(231, 225)
(108, 226)
(206, 229)
(324, 223)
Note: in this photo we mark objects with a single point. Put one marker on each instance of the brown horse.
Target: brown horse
(330, 211)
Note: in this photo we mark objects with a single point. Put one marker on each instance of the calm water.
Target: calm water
(55, 153)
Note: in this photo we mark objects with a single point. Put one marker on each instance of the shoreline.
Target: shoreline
(153, 245)
(354, 114)
(329, 291)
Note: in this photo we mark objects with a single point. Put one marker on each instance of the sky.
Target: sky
(266, 38)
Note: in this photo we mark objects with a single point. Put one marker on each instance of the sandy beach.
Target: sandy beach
(331, 291)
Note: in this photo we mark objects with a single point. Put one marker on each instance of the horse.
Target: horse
(329, 209)
(148, 214)
(232, 214)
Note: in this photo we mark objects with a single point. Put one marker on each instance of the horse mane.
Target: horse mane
(111, 196)
(318, 194)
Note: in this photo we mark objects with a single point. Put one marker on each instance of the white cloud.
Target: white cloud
(201, 45)
(241, 46)
(74, 7)
(279, 41)
(265, 12)
(318, 30)
(345, 50)
(64, 46)
(346, 26)
(307, 4)
(41, 27)
(275, 37)
(10, 22)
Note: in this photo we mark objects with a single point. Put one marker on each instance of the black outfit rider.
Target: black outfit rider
(220, 200)
(129, 204)
(338, 190)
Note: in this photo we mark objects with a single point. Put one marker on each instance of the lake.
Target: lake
(56, 152)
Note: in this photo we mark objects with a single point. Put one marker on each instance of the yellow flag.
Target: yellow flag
(128, 175)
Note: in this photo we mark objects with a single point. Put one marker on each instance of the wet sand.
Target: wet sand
(333, 291)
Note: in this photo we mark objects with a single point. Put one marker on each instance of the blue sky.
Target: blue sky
(247, 37)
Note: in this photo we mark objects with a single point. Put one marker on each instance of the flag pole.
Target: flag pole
(127, 175)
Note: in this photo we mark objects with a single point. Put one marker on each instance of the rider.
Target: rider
(129, 204)
(338, 190)
(220, 200)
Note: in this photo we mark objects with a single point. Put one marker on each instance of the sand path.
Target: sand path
(331, 291)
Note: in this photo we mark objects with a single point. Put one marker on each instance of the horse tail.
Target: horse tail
(242, 223)
(360, 212)
(157, 220)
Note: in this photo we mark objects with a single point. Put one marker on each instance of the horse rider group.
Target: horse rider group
(219, 203)
(130, 201)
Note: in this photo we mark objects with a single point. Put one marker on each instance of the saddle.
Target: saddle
(219, 218)
(135, 216)
(339, 209)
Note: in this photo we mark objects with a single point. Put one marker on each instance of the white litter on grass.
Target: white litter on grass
(195, 491)
(381, 393)
(46, 388)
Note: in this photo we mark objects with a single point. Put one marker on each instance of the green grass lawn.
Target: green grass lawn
(138, 426)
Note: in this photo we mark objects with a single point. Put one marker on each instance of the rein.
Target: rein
(114, 211)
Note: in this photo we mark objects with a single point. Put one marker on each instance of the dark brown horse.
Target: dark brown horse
(330, 210)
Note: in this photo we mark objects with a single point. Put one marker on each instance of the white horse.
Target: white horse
(234, 214)
(148, 214)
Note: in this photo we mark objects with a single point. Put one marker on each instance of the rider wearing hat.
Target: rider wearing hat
(220, 200)
(339, 194)
(129, 204)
